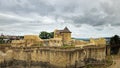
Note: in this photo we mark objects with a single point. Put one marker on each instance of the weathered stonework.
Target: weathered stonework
(55, 57)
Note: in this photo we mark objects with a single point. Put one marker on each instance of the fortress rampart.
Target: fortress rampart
(54, 56)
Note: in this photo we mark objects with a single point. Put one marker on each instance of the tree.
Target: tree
(115, 44)
(115, 41)
(46, 35)
(2, 41)
(51, 34)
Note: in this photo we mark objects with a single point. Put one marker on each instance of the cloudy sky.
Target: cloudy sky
(85, 18)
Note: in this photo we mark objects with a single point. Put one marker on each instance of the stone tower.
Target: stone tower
(64, 34)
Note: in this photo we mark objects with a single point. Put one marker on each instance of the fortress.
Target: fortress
(59, 52)
(61, 38)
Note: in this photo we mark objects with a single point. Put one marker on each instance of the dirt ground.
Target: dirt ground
(116, 62)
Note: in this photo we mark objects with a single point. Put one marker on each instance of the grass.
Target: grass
(37, 44)
(68, 46)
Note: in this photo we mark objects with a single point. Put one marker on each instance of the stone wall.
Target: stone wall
(56, 56)
(99, 41)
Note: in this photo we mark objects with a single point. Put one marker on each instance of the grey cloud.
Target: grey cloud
(112, 10)
(68, 10)
(32, 13)
(106, 13)
(92, 17)
(26, 6)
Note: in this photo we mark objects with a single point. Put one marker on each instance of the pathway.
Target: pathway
(116, 62)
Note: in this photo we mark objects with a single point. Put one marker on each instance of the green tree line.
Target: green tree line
(46, 35)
